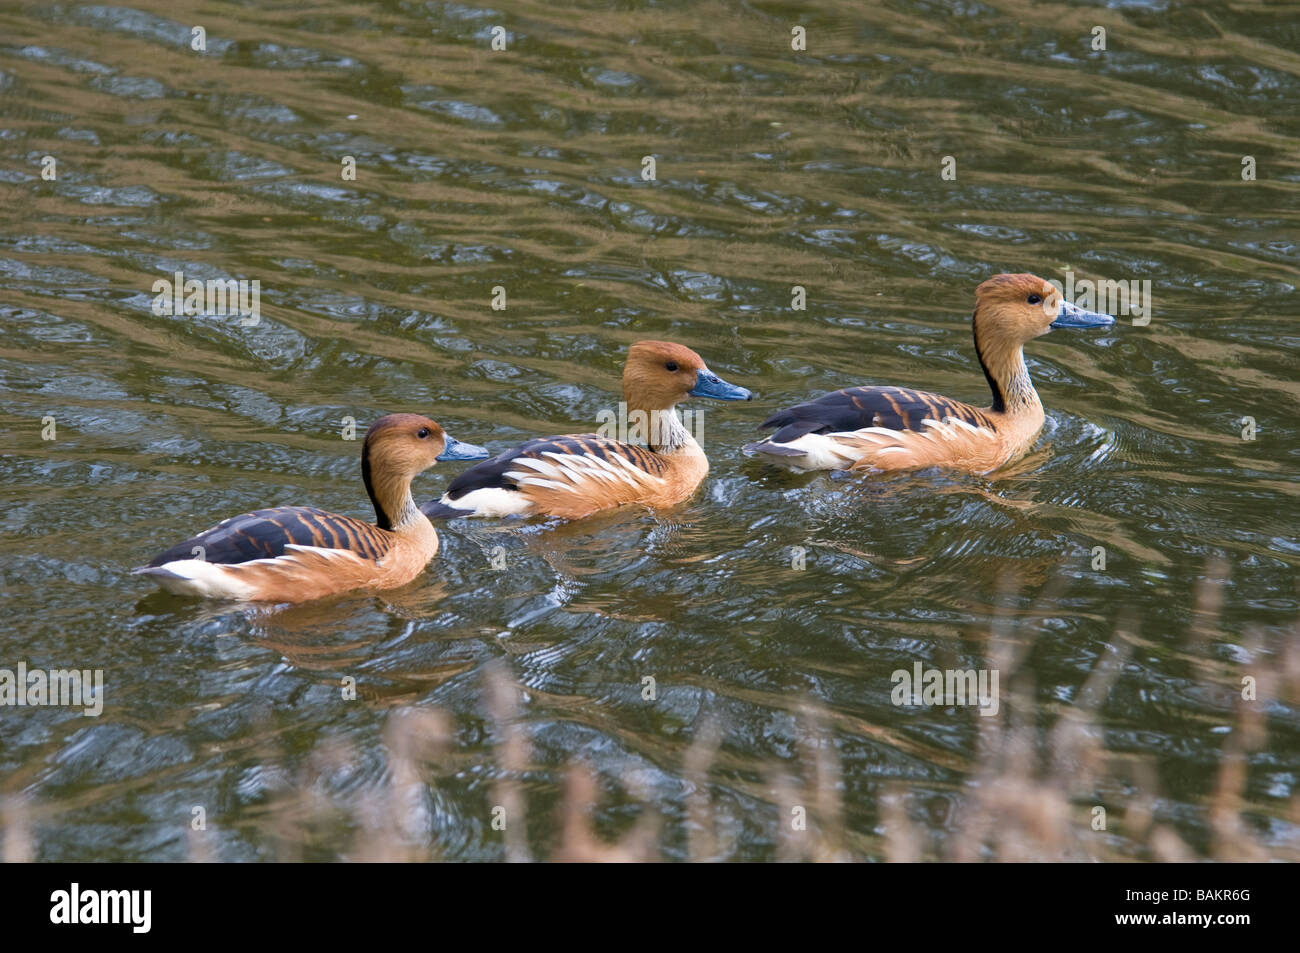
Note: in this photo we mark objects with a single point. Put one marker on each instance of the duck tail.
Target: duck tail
(772, 449)
(438, 510)
(157, 571)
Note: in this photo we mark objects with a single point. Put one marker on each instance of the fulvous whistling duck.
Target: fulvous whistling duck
(576, 475)
(895, 428)
(297, 553)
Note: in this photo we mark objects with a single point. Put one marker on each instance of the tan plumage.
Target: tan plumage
(894, 428)
(298, 553)
(575, 475)
(597, 473)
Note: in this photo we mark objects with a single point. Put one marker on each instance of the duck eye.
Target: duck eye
(671, 365)
(1035, 299)
(424, 433)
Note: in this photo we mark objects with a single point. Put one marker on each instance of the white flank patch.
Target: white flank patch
(819, 451)
(490, 501)
(195, 577)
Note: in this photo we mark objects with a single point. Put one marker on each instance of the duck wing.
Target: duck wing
(857, 408)
(542, 474)
(266, 534)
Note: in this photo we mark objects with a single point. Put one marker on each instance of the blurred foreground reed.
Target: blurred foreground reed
(1044, 787)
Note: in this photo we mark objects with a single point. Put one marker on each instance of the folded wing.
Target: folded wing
(857, 408)
(568, 476)
(266, 534)
(880, 428)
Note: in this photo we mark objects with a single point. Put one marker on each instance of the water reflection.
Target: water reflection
(522, 169)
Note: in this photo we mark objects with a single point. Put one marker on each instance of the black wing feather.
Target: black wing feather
(492, 473)
(264, 534)
(853, 408)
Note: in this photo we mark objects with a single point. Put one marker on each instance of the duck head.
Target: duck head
(1013, 309)
(399, 447)
(659, 374)
(408, 444)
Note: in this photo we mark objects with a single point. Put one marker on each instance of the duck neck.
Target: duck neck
(664, 431)
(390, 493)
(1008, 376)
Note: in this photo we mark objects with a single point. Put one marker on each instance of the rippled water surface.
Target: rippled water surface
(522, 169)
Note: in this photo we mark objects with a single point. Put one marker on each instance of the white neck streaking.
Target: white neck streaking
(408, 516)
(667, 435)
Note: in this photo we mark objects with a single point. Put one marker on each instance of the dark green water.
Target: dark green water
(522, 169)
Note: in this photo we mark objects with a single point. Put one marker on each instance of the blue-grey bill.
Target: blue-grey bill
(459, 450)
(1072, 316)
(708, 384)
